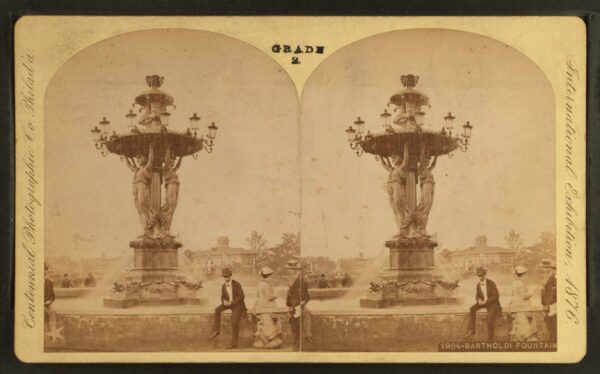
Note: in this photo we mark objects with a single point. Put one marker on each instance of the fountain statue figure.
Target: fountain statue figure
(397, 188)
(427, 189)
(142, 175)
(171, 189)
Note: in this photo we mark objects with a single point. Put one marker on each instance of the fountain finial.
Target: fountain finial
(154, 81)
(410, 80)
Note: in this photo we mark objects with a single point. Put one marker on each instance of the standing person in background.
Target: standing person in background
(323, 282)
(232, 297)
(89, 281)
(66, 282)
(49, 297)
(486, 297)
(346, 280)
(549, 299)
(296, 300)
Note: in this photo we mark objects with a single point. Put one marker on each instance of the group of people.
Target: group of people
(268, 324)
(523, 324)
(66, 282)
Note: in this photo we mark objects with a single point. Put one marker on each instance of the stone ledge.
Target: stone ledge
(327, 293)
(413, 310)
(60, 292)
(151, 332)
(394, 330)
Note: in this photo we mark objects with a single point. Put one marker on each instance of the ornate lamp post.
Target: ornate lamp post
(150, 150)
(409, 153)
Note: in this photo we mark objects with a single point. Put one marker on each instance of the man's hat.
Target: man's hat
(265, 270)
(547, 263)
(293, 264)
(66, 275)
(480, 271)
(226, 272)
(520, 269)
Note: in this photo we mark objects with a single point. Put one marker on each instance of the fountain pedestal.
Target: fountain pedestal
(154, 278)
(410, 279)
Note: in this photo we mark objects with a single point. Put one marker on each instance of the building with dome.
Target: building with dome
(212, 260)
(480, 254)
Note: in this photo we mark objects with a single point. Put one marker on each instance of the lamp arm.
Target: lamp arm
(178, 164)
(131, 164)
(385, 162)
(433, 163)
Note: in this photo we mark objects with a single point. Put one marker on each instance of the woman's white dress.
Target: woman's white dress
(268, 326)
(523, 326)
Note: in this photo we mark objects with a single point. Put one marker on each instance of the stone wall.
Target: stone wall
(366, 330)
(150, 332)
(386, 331)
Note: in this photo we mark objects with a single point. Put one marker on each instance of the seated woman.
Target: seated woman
(268, 325)
(523, 325)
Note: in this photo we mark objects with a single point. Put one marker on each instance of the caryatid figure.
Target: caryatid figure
(171, 189)
(397, 188)
(427, 189)
(142, 175)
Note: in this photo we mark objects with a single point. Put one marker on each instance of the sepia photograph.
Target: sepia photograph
(172, 193)
(442, 230)
(300, 189)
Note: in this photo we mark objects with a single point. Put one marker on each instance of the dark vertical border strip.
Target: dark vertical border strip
(593, 187)
(7, 144)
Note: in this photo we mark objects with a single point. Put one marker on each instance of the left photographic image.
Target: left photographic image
(172, 197)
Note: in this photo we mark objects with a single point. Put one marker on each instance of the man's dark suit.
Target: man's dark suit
(492, 305)
(49, 296)
(297, 296)
(549, 298)
(238, 310)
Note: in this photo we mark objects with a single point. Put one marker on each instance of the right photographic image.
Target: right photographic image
(428, 205)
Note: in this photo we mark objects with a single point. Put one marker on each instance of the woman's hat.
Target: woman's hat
(226, 272)
(266, 271)
(520, 269)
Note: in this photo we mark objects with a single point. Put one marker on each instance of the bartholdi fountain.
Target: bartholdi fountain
(409, 154)
(150, 150)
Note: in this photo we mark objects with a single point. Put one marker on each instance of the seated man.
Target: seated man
(232, 297)
(486, 297)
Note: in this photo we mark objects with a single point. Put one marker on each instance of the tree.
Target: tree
(188, 253)
(277, 257)
(547, 244)
(544, 248)
(256, 241)
(445, 255)
(514, 241)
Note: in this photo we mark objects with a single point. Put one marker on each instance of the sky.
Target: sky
(251, 181)
(505, 181)
(284, 165)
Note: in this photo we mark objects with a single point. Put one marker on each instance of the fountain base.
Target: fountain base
(155, 279)
(411, 277)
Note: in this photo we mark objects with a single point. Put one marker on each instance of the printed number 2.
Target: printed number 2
(295, 60)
